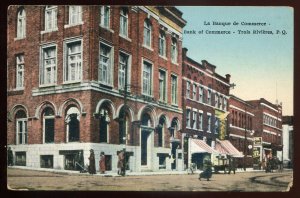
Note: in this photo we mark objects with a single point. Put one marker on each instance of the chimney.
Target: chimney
(184, 52)
(228, 77)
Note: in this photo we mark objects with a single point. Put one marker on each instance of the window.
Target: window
(174, 89)
(161, 132)
(50, 18)
(104, 124)
(201, 94)
(46, 161)
(200, 120)
(73, 124)
(147, 33)
(217, 124)
(208, 123)
(20, 72)
(21, 23)
(221, 102)
(105, 65)
(162, 44)
(188, 118)
(209, 97)
(188, 87)
(21, 128)
(174, 51)
(147, 78)
(75, 15)
(124, 22)
(48, 65)
(194, 126)
(105, 16)
(48, 125)
(73, 64)
(225, 104)
(216, 100)
(162, 85)
(194, 91)
(21, 158)
(123, 66)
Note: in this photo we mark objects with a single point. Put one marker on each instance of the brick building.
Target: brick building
(95, 77)
(240, 128)
(267, 126)
(205, 96)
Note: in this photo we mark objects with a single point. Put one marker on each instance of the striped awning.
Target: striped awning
(225, 147)
(199, 146)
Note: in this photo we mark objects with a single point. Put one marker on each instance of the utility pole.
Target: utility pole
(124, 116)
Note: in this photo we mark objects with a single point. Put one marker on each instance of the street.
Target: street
(20, 179)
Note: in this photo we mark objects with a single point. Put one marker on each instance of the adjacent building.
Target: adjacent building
(205, 96)
(240, 129)
(95, 77)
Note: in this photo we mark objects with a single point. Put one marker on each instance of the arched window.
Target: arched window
(50, 18)
(147, 33)
(124, 22)
(123, 126)
(104, 124)
(73, 124)
(48, 125)
(146, 120)
(21, 127)
(21, 23)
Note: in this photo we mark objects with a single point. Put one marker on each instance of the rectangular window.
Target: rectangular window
(147, 34)
(162, 161)
(200, 120)
(48, 65)
(194, 126)
(124, 22)
(75, 15)
(50, 18)
(188, 118)
(216, 100)
(208, 123)
(123, 66)
(21, 131)
(194, 91)
(49, 127)
(20, 72)
(46, 161)
(225, 104)
(21, 158)
(174, 89)
(201, 94)
(73, 65)
(162, 44)
(217, 124)
(209, 97)
(105, 65)
(105, 16)
(221, 102)
(188, 87)
(147, 78)
(174, 51)
(162, 85)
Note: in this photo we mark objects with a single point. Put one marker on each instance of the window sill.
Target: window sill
(125, 37)
(71, 82)
(73, 25)
(47, 85)
(175, 63)
(163, 57)
(49, 31)
(174, 105)
(147, 47)
(102, 84)
(19, 38)
(106, 28)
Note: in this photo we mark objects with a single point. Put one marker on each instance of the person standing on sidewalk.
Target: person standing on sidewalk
(92, 168)
(121, 165)
(231, 165)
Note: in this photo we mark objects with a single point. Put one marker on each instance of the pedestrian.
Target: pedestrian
(121, 165)
(207, 170)
(10, 157)
(92, 168)
(231, 165)
(102, 163)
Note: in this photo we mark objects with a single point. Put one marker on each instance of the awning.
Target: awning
(199, 146)
(225, 147)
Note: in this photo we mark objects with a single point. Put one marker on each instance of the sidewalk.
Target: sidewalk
(129, 173)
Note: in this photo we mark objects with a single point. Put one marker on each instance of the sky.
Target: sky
(261, 65)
